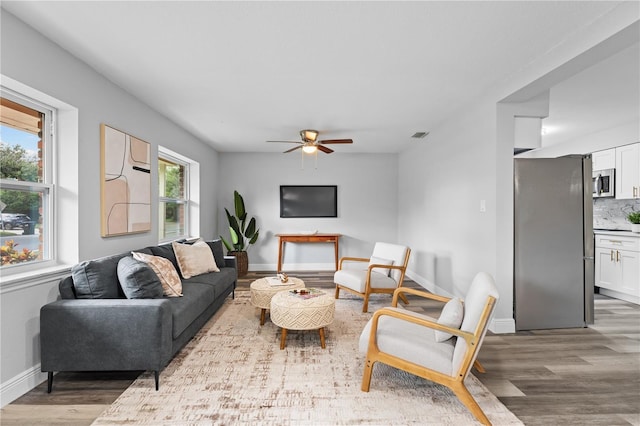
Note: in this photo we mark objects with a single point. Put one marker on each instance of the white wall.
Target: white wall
(367, 203)
(31, 59)
(469, 158)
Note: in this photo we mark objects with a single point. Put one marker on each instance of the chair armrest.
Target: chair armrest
(352, 259)
(421, 293)
(406, 316)
(106, 334)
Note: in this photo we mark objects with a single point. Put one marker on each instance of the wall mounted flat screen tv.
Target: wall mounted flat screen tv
(308, 201)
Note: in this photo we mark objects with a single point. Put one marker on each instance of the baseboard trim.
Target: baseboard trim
(502, 325)
(286, 267)
(17, 386)
(617, 295)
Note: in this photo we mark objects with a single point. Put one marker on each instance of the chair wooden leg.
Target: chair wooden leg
(479, 367)
(337, 291)
(465, 397)
(283, 338)
(404, 298)
(366, 375)
(365, 306)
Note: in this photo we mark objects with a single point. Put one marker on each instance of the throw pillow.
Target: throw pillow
(96, 279)
(380, 261)
(171, 284)
(194, 259)
(451, 316)
(137, 279)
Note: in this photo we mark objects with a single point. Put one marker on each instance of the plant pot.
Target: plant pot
(635, 227)
(242, 262)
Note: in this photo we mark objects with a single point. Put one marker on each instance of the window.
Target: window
(26, 181)
(173, 200)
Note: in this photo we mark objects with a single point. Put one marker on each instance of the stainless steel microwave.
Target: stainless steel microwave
(604, 183)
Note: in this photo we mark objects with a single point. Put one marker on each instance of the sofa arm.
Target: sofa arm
(105, 334)
(230, 262)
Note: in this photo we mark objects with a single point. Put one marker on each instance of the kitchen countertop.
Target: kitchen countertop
(616, 232)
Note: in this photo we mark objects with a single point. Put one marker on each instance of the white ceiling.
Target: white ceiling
(236, 74)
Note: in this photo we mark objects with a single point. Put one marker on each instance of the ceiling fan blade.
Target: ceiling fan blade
(293, 149)
(324, 149)
(286, 142)
(328, 141)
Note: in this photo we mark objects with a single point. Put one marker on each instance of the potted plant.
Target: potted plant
(634, 218)
(243, 233)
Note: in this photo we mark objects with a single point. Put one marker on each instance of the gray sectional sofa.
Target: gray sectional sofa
(113, 333)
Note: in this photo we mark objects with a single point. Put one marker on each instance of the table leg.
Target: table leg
(283, 338)
(280, 246)
(322, 342)
(262, 315)
(335, 245)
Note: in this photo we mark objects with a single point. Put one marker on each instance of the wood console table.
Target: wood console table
(306, 238)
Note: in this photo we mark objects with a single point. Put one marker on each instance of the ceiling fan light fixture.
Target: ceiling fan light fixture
(309, 135)
(309, 148)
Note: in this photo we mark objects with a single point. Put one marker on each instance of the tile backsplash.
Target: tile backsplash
(609, 213)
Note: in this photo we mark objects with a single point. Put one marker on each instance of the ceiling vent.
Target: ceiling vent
(419, 135)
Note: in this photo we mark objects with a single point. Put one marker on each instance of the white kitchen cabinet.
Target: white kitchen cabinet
(617, 269)
(602, 160)
(628, 171)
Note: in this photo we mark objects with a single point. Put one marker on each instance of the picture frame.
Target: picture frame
(125, 184)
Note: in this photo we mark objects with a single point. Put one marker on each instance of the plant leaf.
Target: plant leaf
(239, 206)
(251, 229)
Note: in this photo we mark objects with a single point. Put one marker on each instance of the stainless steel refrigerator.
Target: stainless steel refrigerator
(553, 243)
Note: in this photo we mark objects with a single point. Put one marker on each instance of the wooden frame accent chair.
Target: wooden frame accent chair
(384, 273)
(430, 348)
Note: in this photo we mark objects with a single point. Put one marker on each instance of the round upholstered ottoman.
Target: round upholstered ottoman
(297, 312)
(264, 289)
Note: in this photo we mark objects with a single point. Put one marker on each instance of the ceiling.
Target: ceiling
(236, 74)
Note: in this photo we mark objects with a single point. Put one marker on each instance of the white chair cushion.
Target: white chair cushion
(475, 300)
(412, 342)
(451, 316)
(394, 252)
(356, 280)
(380, 261)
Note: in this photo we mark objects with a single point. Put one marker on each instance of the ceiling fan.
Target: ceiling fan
(310, 143)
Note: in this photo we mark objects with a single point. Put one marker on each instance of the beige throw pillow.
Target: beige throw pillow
(452, 315)
(164, 269)
(194, 259)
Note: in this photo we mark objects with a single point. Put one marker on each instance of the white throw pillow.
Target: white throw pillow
(194, 259)
(380, 261)
(451, 316)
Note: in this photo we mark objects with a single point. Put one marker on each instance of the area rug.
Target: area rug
(234, 373)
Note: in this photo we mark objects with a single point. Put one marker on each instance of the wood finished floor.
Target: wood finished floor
(587, 376)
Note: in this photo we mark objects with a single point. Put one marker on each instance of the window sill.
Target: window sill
(34, 277)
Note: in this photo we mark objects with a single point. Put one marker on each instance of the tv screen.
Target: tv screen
(308, 201)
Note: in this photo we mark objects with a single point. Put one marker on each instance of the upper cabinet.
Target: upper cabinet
(603, 160)
(628, 171)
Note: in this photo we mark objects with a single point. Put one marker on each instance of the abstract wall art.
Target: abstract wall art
(126, 183)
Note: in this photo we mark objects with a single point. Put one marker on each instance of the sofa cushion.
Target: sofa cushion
(218, 252)
(137, 279)
(184, 310)
(97, 279)
(166, 272)
(219, 281)
(194, 259)
(166, 251)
